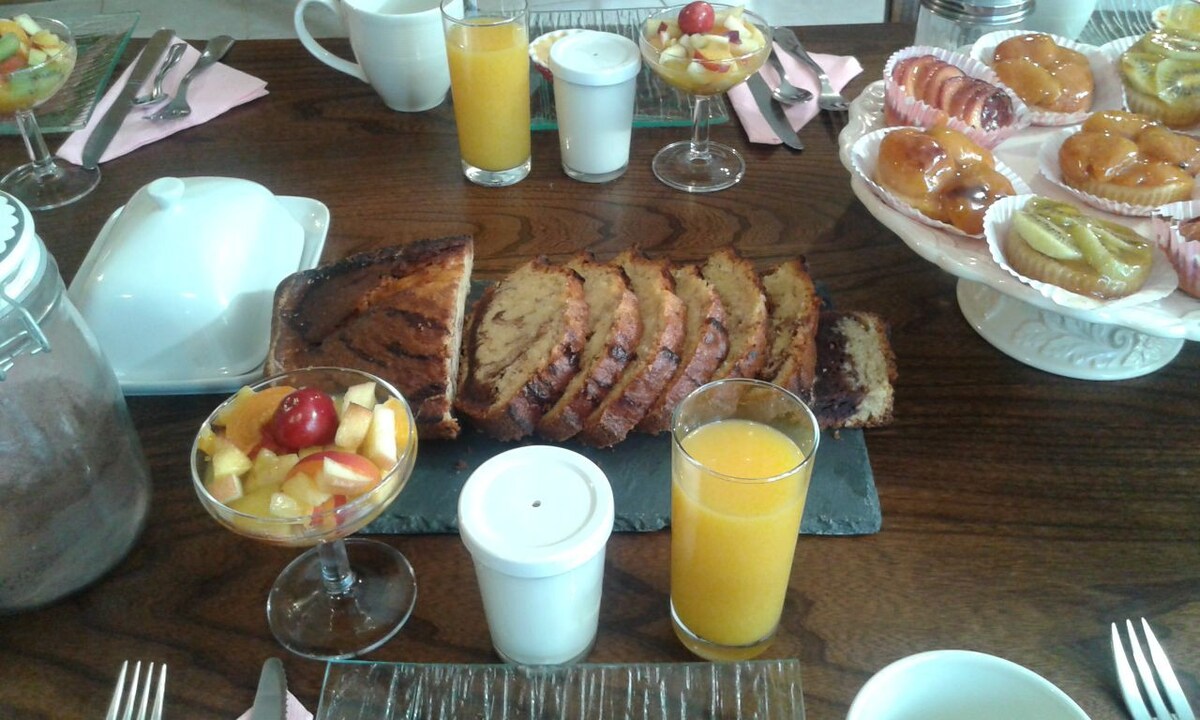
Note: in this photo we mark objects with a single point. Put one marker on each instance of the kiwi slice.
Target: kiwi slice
(1045, 236)
(9, 45)
(1139, 70)
(1173, 44)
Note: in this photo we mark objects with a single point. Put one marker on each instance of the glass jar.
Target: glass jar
(74, 486)
(957, 24)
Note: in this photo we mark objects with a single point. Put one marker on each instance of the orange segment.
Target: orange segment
(250, 411)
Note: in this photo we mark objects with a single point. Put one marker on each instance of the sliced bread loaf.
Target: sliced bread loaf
(741, 292)
(705, 344)
(613, 333)
(521, 348)
(855, 371)
(396, 312)
(794, 310)
(663, 326)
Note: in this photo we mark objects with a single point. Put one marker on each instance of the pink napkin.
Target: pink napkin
(840, 69)
(294, 710)
(214, 91)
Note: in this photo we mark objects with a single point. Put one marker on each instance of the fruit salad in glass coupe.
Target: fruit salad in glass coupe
(307, 458)
(703, 49)
(36, 58)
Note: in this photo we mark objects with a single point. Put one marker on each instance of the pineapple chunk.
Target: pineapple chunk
(361, 394)
(269, 469)
(302, 488)
(227, 459)
(356, 420)
(286, 506)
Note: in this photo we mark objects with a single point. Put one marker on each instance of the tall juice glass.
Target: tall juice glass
(487, 44)
(741, 459)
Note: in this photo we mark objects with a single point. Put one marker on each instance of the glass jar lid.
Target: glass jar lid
(981, 12)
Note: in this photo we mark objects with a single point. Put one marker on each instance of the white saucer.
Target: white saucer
(313, 217)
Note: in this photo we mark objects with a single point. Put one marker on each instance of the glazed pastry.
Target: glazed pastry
(1044, 74)
(1161, 75)
(1055, 243)
(941, 85)
(1128, 158)
(942, 174)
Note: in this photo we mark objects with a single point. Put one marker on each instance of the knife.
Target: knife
(107, 128)
(773, 112)
(271, 698)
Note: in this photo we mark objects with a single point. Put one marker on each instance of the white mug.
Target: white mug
(399, 44)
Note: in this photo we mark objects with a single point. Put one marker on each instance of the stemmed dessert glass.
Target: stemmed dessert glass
(699, 164)
(41, 184)
(341, 598)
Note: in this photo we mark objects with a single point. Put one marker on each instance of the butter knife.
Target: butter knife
(773, 113)
(270, 702)
(107, 128)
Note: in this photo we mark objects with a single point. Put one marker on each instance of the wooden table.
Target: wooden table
(1022, 511)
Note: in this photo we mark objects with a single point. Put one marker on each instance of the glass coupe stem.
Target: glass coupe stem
(700, 116)
(35, 144)
(336, 573)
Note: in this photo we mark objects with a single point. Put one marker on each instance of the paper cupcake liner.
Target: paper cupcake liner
(907, 110)
(1114, 49)
(1051, 169)
(863, 156)
(1161, 282)
(1184, 254)
(1108, 93)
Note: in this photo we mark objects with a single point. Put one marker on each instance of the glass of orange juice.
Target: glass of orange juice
(741, 459)
(487, 44)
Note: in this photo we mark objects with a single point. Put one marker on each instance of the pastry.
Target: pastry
(1046, 75)
(794, 310)
(741, 292)
(944, 86)
(855, 371)
(1161, 75)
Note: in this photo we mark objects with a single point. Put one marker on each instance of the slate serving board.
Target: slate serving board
(841, 498)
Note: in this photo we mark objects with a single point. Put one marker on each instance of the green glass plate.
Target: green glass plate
(100, 39)
(657, 104)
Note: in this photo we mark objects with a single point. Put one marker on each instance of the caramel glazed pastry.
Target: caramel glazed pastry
(1129, 158)
(942, 174)
(944, 86)
(1044, 74)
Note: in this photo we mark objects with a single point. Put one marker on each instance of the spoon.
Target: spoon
(179, 107)
(156, 94)
(786, 93)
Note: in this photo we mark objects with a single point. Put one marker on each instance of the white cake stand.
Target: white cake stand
(1104, 343)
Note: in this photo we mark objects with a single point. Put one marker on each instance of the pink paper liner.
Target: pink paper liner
(865, 152)
(1184, 254)
(1109, 93)
(1161, 282)
(911, 111)
(1051, 169)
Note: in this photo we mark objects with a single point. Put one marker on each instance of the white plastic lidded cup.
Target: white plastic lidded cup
(536, 521)
(595, 80)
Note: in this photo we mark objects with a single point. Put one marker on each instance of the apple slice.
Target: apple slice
(361, 394)
(285, 506)
(269, 469)
(380, 444)
(352, 430)
(338, 472)
(224, 488)
(227, 459)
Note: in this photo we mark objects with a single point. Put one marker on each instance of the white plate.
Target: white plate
(313, 217)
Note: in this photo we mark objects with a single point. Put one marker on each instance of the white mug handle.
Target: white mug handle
(310, 43)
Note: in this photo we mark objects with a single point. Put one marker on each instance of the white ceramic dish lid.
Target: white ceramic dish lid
(182, 378)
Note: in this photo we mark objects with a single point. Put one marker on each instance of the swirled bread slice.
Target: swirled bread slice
(855, 371)
(741, 292)
(793, 309)
(521, 348)
(705, 344)
(614, 330)
(663, 327)
(396, 312)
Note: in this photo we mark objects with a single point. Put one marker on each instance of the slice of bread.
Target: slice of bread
(741, 292)
(705, 344)
(396, 312)
(615, 328)
(663, 327)
(793, 309)
(521, 348)
(855, 371)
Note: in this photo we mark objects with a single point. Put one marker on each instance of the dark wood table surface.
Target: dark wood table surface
(1022, 511)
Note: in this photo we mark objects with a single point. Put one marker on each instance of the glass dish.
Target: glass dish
(656, 104)
(760, 689)
(101, 39)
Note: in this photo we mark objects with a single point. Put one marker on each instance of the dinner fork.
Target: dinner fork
(138, 694)
(1153, 675)
(179, 107)
(829, 100)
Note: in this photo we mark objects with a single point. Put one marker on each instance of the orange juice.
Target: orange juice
(489, 80)
(733, 532)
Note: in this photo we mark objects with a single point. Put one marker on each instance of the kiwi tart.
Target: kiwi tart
(1056, 243)
(1161, 74)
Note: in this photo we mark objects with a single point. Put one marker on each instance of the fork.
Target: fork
(1158, 666)
(138, 694)
(156, 93)
(829, 100)
(179, 107)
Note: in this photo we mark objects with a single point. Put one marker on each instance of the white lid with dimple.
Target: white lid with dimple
(535, 511)
(595, 58)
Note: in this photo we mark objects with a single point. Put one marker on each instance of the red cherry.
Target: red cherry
(305, 418)
(696, 18)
